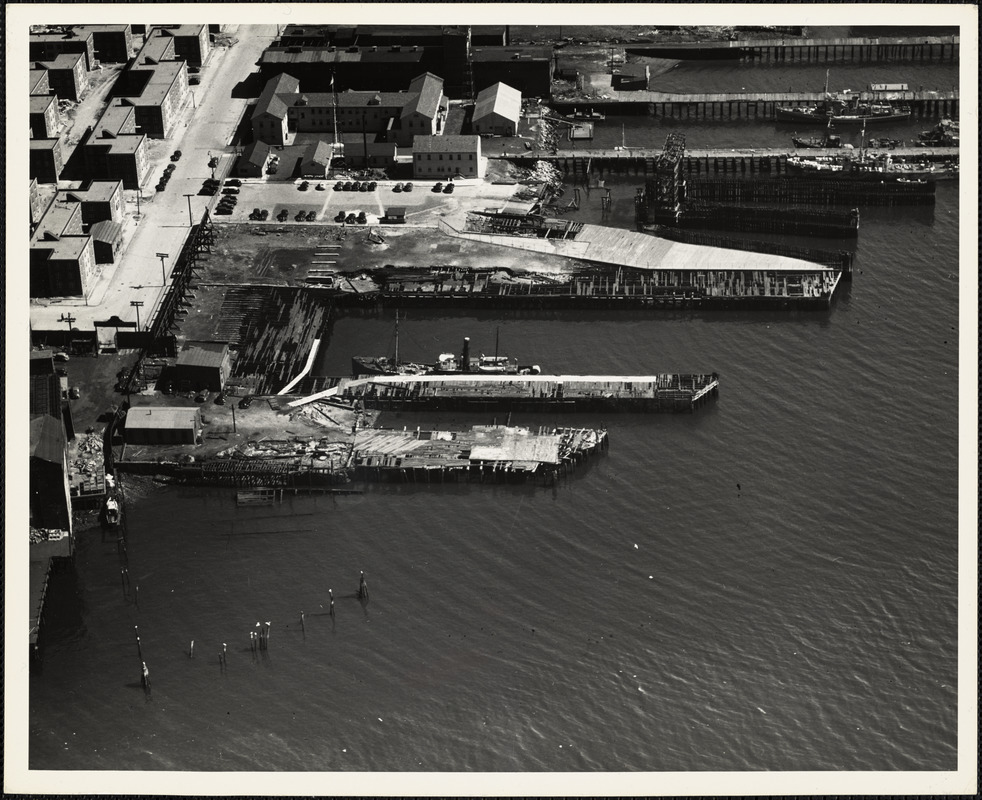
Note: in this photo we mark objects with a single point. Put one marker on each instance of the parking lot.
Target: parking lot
(421, 203)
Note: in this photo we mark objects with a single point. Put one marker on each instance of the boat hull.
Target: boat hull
(820, 118)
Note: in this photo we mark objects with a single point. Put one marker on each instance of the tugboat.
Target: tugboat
(844, 108)
(447, 364)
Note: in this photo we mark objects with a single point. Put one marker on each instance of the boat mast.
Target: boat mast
(496, 332)
(397, 338)
(826, 83)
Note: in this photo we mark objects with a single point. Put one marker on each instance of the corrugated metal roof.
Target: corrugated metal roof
(202, 354)
(47, 438)
(446, 144)
(156, 417)
(46, 394)
(499, 99)
(106, 231)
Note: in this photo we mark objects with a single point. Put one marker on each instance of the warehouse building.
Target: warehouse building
(203, 365)
(162, 425)
(447, 157)
(497, 111)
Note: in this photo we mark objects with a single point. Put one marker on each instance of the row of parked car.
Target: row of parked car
(162, 183)
(355, 186)
(351, 219)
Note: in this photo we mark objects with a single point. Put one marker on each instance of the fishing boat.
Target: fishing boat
(826, 141)
(843, 108)
(879, 167)
(446, 364)
(944, 134)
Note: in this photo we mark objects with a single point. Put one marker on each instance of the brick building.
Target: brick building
(44, 116)
(99, 200)
(67, 77)
(48, 46)
(113, 44)
(47, 160)
(191, 42)
(157, 92)
(113, 150)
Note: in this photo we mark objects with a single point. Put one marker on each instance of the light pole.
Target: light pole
(190, 215)
(163, 274)
(136, 304)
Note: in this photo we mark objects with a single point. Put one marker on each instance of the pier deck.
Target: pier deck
(644, 393)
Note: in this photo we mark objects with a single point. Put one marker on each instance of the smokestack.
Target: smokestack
(466, 357)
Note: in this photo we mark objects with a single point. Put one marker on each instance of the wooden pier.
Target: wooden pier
(884, 48)
(581, 163)
(923, 104)
(549, 393)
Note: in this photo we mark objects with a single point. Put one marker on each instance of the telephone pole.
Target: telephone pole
(163, 273)
(137, 304)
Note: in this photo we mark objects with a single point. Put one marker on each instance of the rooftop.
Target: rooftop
(124, 144)
(95, 192)
(65, 248)
(113, 120)
(510, 53)
(57, 218)
(62, 61)
(157, 48)
(47, 439)
(270, 102)
(46, 392)
(153, 417)
(256, 153)
(40, 102)
(446, 144)
(428, 91)
(182, 30)
(45, 144)
(161, 79)
(78, 34)
(319, 152)
(499, 99)
(106, 231)
(37, 76)
(202, 354)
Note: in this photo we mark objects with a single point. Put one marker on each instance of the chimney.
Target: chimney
(466, 355)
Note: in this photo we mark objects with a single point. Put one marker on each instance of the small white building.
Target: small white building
(163, 425)
(497, 111)
(447, 157)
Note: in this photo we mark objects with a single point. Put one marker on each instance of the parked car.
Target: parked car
(264, 214)
(220, 400)
(170, 168)
(59, 356)
(282, 216)
(246, 401)
(397, 187)
(350, 219)
(233, 182)
(299, 216)
(362, 219)
(225, 210)
(193, 80)
(319, 187)
(339, 217)
(339, 186)
(408, 187)
(372, 186)
(192, 70)
(176, 155)
(348, 185)
(160, 187)
(74, 393)
(448, 189)
(230, 190)
(438, 187)
(311, 216)
(363, 187)
(304, 186)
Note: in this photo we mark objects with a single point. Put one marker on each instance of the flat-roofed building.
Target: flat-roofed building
(40, 200)
(364, 69)
(497, 111)
(269, 118)
(113, 44)
(155, 425)
(447, 157)
(47, 160)
(39, 81)
(157, 92)
(48, 46)
(252, 162)
(527, 69)
(67, 77)
(61, 266)
(99, 200)
(63, 218)
(107, 241)
(156, 49)
(191, 42)
(44, 116)
(114, 151)
(203, 365)
(380, 153)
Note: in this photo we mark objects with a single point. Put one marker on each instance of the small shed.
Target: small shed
(631, 77)
(252, 162)
(107, 241)
(203, 365)
(163, 425)
(316, 160)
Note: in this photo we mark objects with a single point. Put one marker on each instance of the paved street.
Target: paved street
(164, 224)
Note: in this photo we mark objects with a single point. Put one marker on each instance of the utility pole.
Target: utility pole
(190, 215)
(163, 273)
(69, 319)
(136, 304)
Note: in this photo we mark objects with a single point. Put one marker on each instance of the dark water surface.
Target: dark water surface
(769, 584)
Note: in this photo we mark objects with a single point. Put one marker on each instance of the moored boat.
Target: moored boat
(843, 108)
(111, 511)
(944, 134)
(827, 141)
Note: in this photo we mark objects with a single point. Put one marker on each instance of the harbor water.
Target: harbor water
(767, 584)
